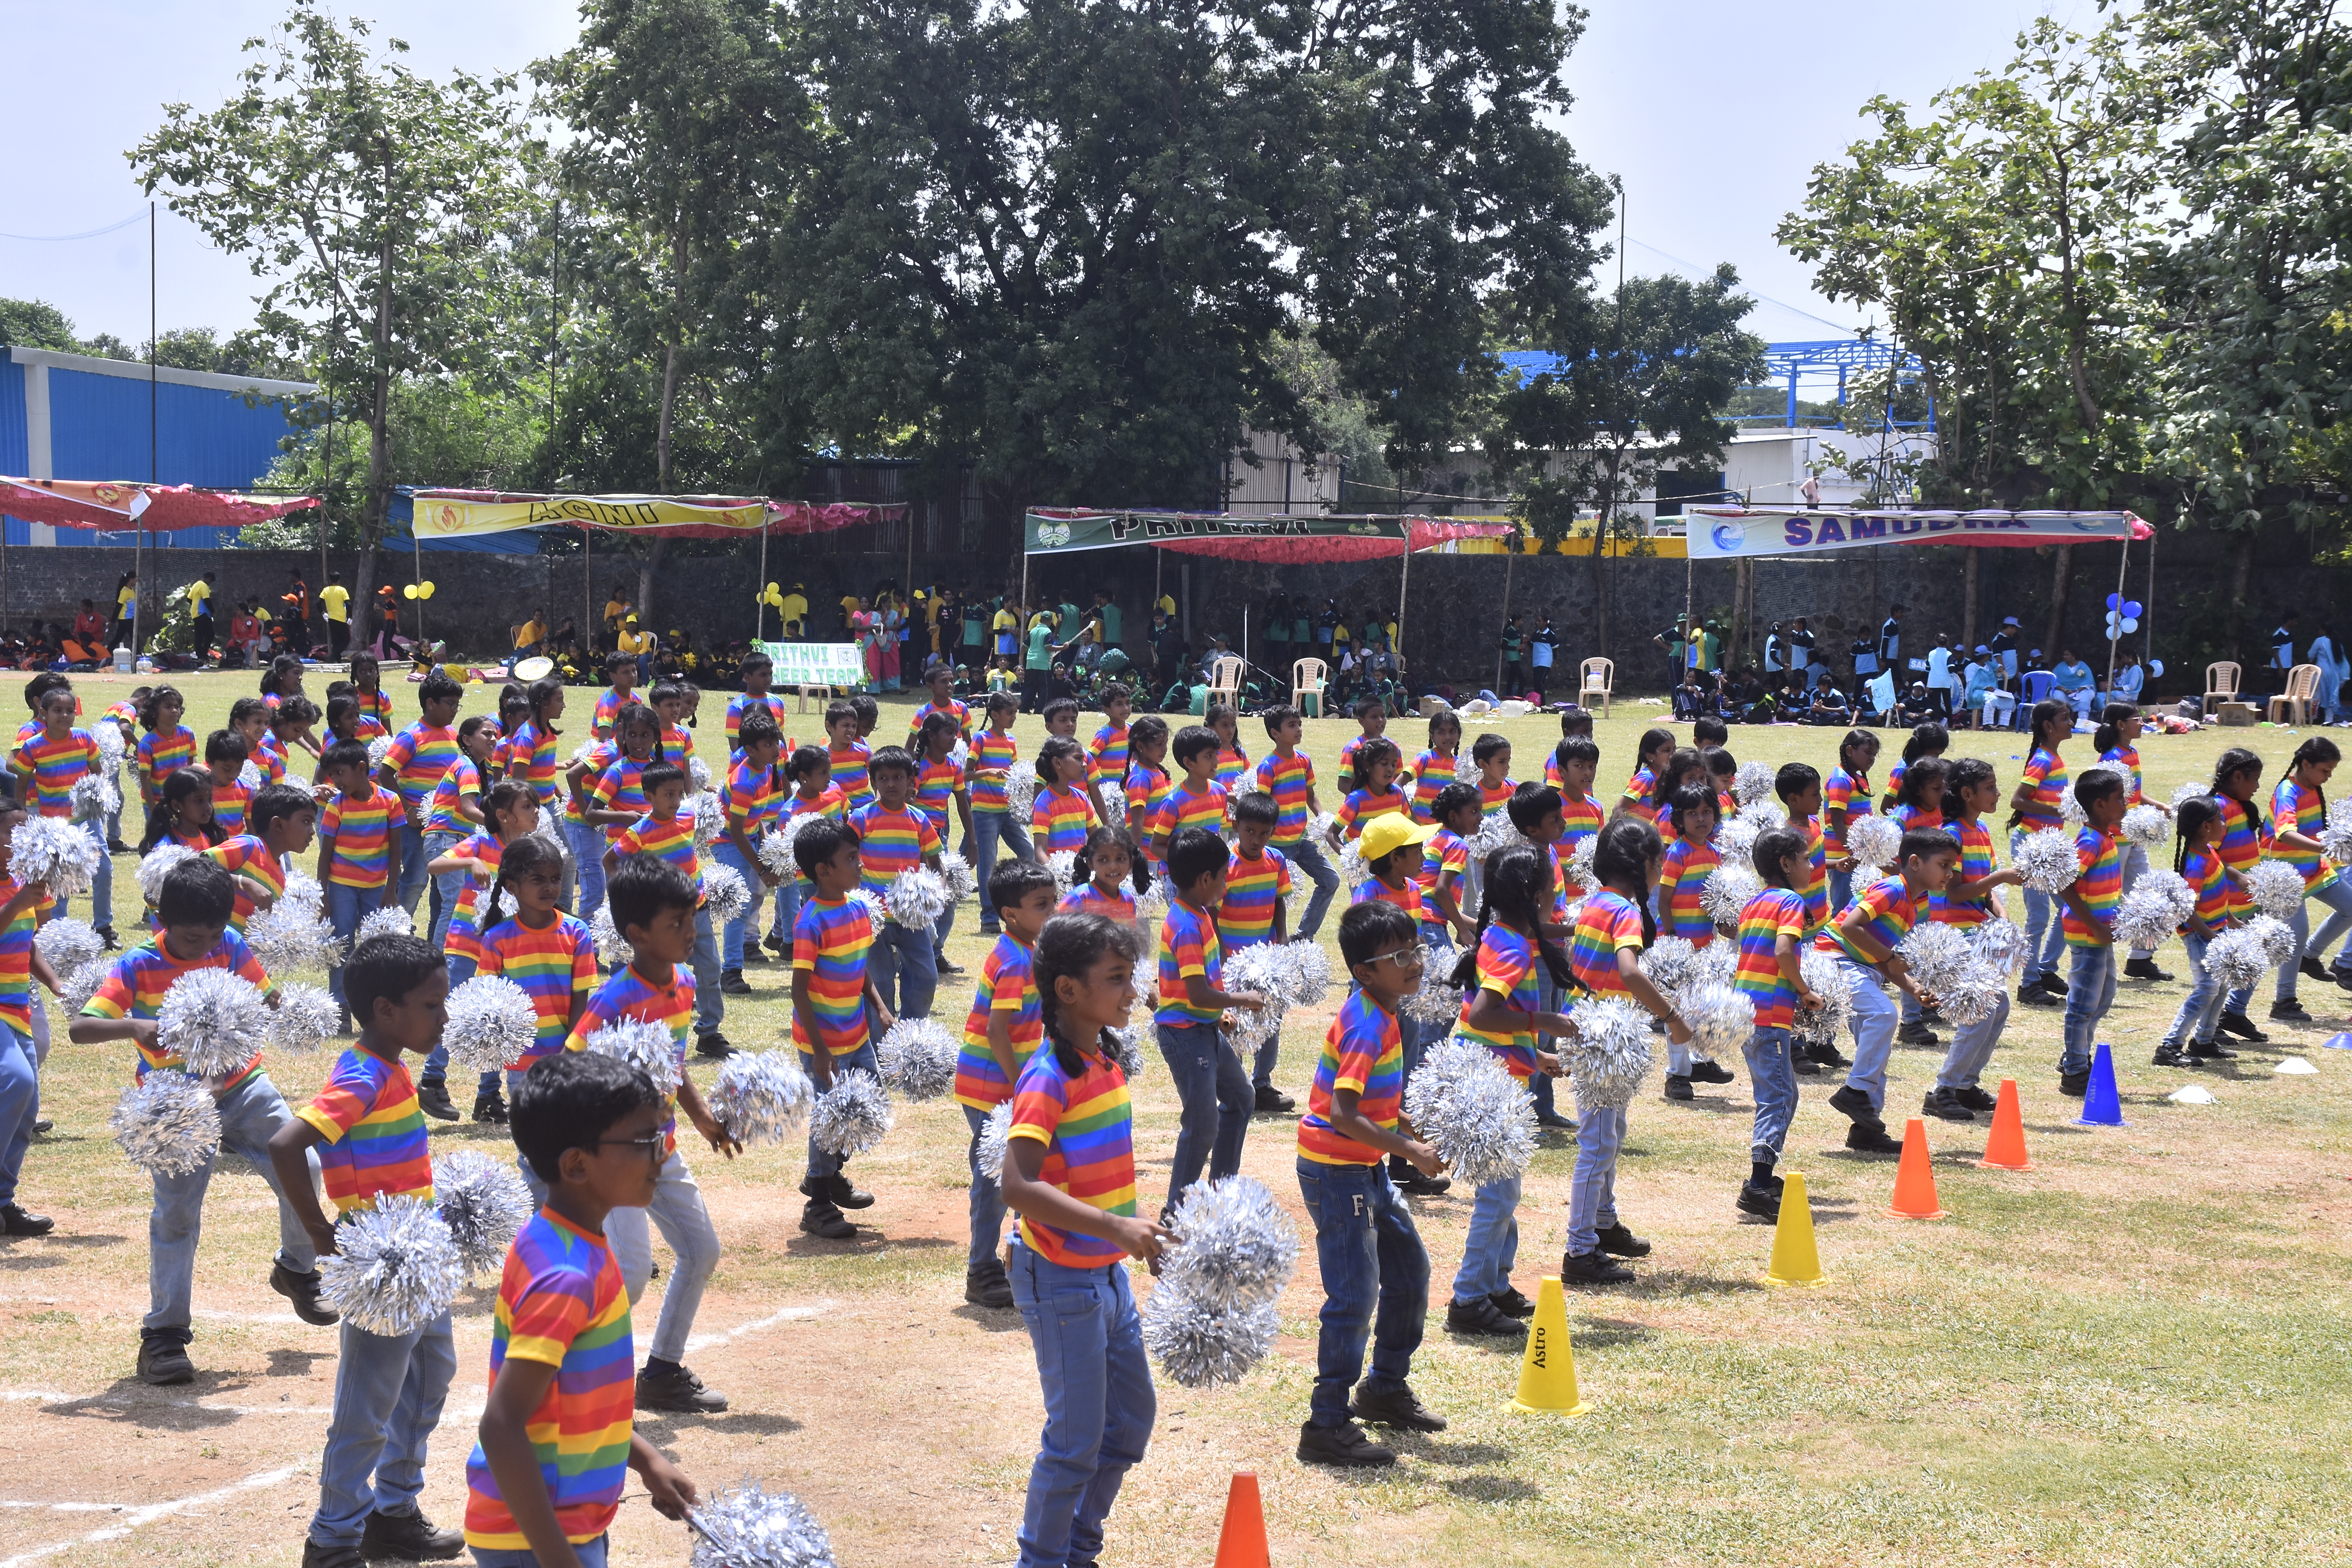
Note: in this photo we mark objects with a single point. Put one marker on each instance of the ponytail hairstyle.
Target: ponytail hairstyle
(2044, 713)
(163, 818)
(1958, 779)
(1517, 887)
(1103, 835)
(1923, 785)
(1680, 766)
(1052, 752)
(1445, 718)
(1653, 739)
(544, 690)
(1072, 944)
(632, 713)
(2188, 820)
(2316, 748)
(502, 797)
(1864, 740)
(2235, 760)
(933, 724)
(1926, 740)
(804, 760)
(2110, 732)
(283, 678)
(528, 852)
(1142, 732)
(1370, 751)
(1629, 847)
(367, 675)
(1773, 845)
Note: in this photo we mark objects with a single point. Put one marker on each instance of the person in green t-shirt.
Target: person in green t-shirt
(1112, 625)
(1038, 664)
(1514, 643)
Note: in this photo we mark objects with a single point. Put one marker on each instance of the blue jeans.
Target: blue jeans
(2201, 1010)
(1268, 1054)
(2338, 897)
(988, 829)
(1308, 854)
(101, 881)
(2090, 992)
(448, 888)
(822, 1164)
(587, 843)
(20, 1104)
(250, 1114)
(1593, 1189)
(345, 907)
(411, 866)
(730, 955)
(1840, 891)
(1099, 1404)
(436, 1061)
(2043, 934)
(904, 967)
(389, 1390)
(592, 1554)
(987, 1199)
(2135, 859)
(1971, 1049)
(1776, 1093)
(710, 1002)
(677, 1209)
(1490, 1247)
(1216, 1098)
(1874, 1016)
(1371, 1257)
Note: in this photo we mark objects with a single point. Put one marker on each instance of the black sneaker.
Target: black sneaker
(713, 1045)
(491, 1108)
(1975, 1099)
(835, 1189)
(1512, 1303)
(16, 1221)
(2291, 1010)
(1397, 1408)
(2210, 1051)
(1555, 1121)
(1870, 1138)
(414, 1538)
(302, 1290)
(1916, 1035)
(2172, 1057)
(676, 1388)
(1419, 1186)
(1482, 1317)
(2144, 969)
(1761, 1202)
(2341, 977)
(44, 1124)
(1271, 1101)
(1619, 1242)
(106, 933)
(1592, 1269)
(163, 1357)
(987, 1286)
(731, 984)
(775, 943)
(1854, 1104)
(1344, 1446)
(2238, 1024)
(1945, 1104)
(1709, 1072)
(1929, 1016)
(2074, 1085)
(821, 1219)
(319, 1554)
(1828, 1056)
(2312, 967)
(752, 953)
(2034, 994)
(1678, 1086)
(1804, 1066)
(949, 966)
(433, 1099)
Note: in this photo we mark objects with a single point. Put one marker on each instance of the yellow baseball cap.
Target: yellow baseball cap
(1392, 831)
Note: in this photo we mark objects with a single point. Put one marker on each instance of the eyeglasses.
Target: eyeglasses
(1403, 957)
(656, 1145)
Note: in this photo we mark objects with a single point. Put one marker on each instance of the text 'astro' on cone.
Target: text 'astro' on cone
(1241, 1543)
(1795, 1259)
(2005, 1149)
(1547, 1371)
(1915, 1178)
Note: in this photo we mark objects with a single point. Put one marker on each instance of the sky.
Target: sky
(1714, 112)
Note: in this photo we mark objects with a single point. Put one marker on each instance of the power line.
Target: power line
(92, 234)
(1695, 266)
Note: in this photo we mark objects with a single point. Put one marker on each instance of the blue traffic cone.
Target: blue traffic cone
(2101, 1106)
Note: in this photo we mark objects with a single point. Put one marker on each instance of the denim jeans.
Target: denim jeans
(821, 1163)
(1775, 1078)
(2134, 859)
(2044, 936)
(436, 1061)
(1840, 891)
(685, 1224)
(101, 881)
(904, 967)
(1971, 1049)
(988, 829)
(2338, 897)
(1874, 1016)
(20, 1103)
(389, 1390)
(730, 953)
(411, 866)
(250, 1114)
(1268, 1055)
(710, 1002)
(2090, 992)
(987, 1199)
(1371, 1257)
(587, 853)
(1592, 1190)
(1099, 1404)
(345, 907)
(592, 1554)
(1490, 1247)
(1216, 1098)
(448, 886)
(1308, 854)
(2201, 1010)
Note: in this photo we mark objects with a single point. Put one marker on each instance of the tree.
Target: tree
(374, 197)
(37, 324)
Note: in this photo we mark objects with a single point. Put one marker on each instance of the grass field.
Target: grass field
(2131, 1355)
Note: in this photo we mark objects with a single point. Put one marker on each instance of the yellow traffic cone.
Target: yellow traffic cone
(1548, 1373)
(1795, 1261)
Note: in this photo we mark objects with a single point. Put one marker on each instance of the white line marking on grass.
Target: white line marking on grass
(132, 1518)
(728, 1336)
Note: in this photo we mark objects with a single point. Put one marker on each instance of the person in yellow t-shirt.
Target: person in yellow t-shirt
(200, 612)
(638, 645)
(616, 610)
(795, 606)
(336, 601)
(1006, 625)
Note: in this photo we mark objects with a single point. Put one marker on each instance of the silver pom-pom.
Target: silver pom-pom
(492, 1023)
(645, 1045)
(708, 818)
(1670, 963)
(1827, 979)
(51, 850)
(2145, 826)
(588, 751)
(995, 1136)
(379, 747)
(83, 984)
(1753, 784)
(1126, 1048)
(395, 1267)
(1972, 996)
(484, 1202)
(762, 1096)
(387, 920)
(1579, 864)
(1261, 969)
(1494, 833)
(2236, 959)
(305, 1019)
(1234, 1246)
(1937, 954)
(918, 896)
(68, 943)
(2149, 914)
(251, 776)
(917, 1058)
(1200, 1346)
(1730, 888)
(2187, 792)
(776, 845)
(2336, 838)
(303, 888)
(613, 949)
(2276, 939)
(851, 1117)
(956, 873)
(1020, 790)
(1307, 981)
(167, 1124)
(291, 937)
(1873, 840)
(111, 748)
(2047, 861)
(1735, 840)
(1151, 904)
(1721, 1020)
(1353, 872)
(1479, 1118)
(1609, 1055)
(725, 895)
(1999, 944)
(2276, 887)
(697, 774)
(1438, 1003)
(213, 1021)
(1064, 863)
(94, 797)
(746, 1527)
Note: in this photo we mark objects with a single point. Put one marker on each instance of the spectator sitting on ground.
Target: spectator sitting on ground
(1830, 705)
(1692, 695)
(1916, 706)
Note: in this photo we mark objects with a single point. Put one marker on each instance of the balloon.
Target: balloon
(772, 588)
(2156, 667)
(2133, 607)
(424, 589)
(2115, 601)
(409, 592)
(2130, 625)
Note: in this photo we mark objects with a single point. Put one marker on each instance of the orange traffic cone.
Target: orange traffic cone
(1915, 1178)
(2005, 1150)
(1242, 1542)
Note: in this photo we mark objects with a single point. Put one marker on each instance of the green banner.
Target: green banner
(1056, 531)
(817, 663)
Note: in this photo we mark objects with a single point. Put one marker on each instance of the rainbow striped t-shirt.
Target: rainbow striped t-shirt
(16, 959)
(1188, 947)
(1289, 780)
(1508, 966)
(2300, 810)
(1006, 985)
(245, 856)
(134, 988)
(51, 768)
(2100, 886)
(990, 756)
(1087, 1129)
(890, 840)
(463, 779)
(629, 995)
(1362, 1050)
(1253, 888)
(1607, 925)
(1688, 864)
(1059, 819)
(554, 965)
(361, 830)
(1888, 916)
(1770, 915)
(831, 940)
(420, 755)
(374, 1132)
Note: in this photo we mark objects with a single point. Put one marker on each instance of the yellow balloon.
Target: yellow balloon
(409, 592)
(424, 590)
(772, 588)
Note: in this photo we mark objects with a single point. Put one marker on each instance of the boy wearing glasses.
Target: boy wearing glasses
(653, 904)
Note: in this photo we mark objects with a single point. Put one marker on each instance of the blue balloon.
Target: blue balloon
(2132, 607)
(2115, 601)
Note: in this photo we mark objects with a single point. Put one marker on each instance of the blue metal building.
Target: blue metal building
(71, 417)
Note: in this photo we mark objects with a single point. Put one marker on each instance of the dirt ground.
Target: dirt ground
(2128, 1354)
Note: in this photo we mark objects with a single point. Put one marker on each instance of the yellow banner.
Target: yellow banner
(441, 517)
